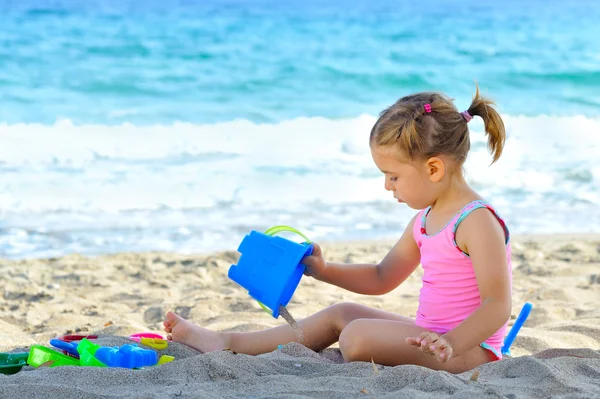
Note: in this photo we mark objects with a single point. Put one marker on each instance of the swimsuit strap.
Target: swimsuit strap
(467, 211)
(425, 213)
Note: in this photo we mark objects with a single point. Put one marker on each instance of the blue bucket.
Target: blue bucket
(269, 267)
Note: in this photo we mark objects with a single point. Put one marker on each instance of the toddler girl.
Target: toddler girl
(420, 144)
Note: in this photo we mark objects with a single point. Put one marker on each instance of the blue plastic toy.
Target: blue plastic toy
(68, 348)
(269, 267)
(512, 334)
(127, 356)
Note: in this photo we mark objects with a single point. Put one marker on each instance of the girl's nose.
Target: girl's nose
(387, 184)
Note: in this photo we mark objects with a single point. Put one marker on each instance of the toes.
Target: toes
(172, 318)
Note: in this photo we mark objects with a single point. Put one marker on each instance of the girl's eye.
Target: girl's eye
(392, 178)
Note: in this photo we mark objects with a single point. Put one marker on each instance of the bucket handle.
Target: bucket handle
(271, 232)
(278, 229)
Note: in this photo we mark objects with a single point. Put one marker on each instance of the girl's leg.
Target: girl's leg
(320, 331)
(384, 342)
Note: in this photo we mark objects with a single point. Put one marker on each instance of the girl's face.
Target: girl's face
(411, 182)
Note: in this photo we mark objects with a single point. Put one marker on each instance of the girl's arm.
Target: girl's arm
(369, 279)
(484, 240)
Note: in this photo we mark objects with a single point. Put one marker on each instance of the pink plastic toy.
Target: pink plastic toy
(137, 337)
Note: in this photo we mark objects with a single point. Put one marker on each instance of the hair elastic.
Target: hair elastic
(427, 108)
(467, 116)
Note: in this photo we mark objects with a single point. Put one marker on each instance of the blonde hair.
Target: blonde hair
(443, 130)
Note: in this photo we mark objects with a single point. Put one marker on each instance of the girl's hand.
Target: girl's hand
(315, 263)
(432, 344)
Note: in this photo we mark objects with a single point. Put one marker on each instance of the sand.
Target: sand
(557, 354)
(283, 312)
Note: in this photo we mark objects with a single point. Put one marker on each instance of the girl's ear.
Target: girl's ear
(435, 169)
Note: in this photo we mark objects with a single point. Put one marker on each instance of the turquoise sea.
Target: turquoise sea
(137, 125)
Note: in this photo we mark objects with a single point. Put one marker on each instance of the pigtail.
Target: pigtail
(494, 127)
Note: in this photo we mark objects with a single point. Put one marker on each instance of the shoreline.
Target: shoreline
(550, 237)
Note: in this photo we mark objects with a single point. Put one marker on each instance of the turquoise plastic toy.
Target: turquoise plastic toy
(12, 363)
(127, 356)
(269, 267)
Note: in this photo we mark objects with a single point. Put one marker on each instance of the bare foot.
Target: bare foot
(190, 334)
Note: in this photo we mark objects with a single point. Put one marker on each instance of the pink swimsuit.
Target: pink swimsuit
(449, 293)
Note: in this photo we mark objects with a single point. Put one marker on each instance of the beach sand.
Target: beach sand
(557, 353)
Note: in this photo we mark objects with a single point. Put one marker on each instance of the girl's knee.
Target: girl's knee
(344, 313)
(344, 308)
(353, 344)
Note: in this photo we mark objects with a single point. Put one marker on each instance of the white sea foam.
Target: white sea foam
(186, 187)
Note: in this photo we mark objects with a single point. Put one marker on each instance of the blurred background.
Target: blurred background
(178, 125)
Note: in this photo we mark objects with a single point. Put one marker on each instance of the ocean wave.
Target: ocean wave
(97, 188)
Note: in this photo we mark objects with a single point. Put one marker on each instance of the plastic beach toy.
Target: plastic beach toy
(152, 340)
(512, 334)
(158, 344)
(90, 354)
(127, 356)
(136, 337)
(42, 356)
(87, 353)
(68, 348)
(164, 359)
(71, 338)
(269, 267)
(12, 363)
